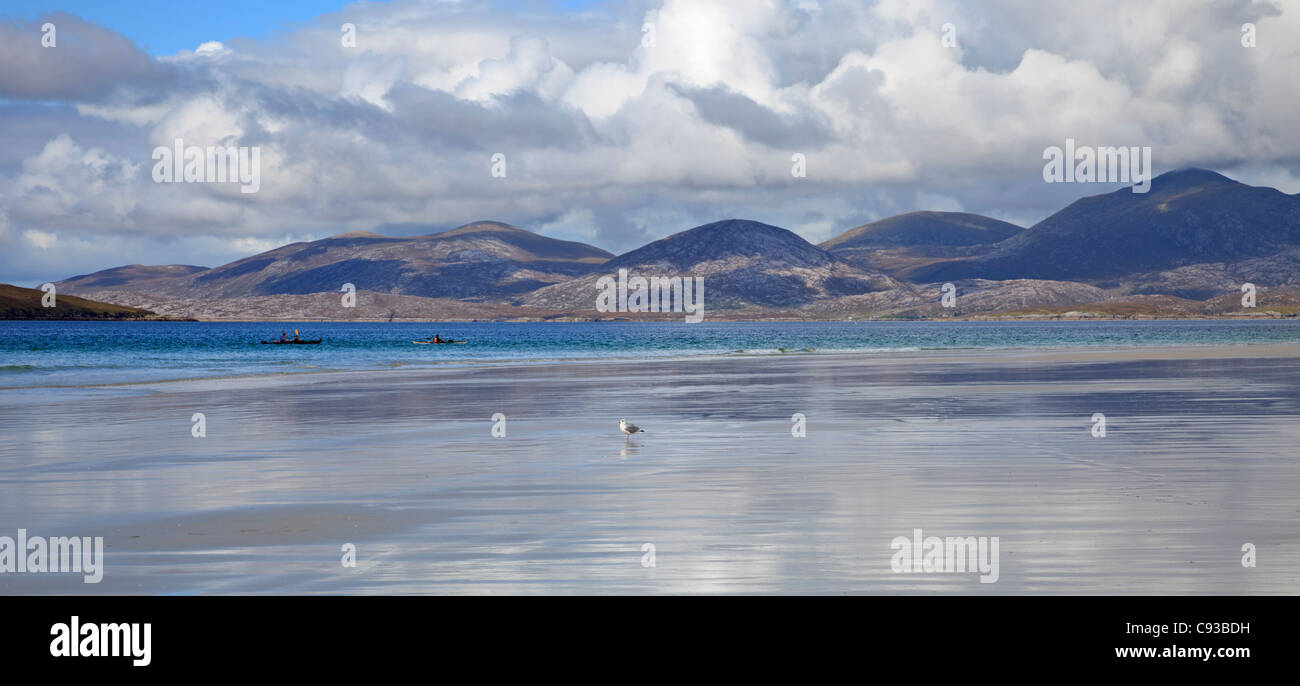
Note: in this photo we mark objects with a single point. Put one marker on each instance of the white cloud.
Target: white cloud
(200, 120)
(67, 183)
(211, 47)
(251, 244)
(528, 66)
(40, 239)
(370, 77)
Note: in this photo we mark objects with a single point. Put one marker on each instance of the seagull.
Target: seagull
(629, 429)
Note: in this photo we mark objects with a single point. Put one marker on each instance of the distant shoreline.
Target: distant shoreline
(716, 318)
(99, 319)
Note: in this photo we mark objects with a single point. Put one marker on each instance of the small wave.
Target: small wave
(17, 368)
(876, 350)
(821, 351)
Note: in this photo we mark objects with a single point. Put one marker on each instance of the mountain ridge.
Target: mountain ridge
(1189, 216)
(1196, 235)
(745, 263)
(897, 244)
(477, 260)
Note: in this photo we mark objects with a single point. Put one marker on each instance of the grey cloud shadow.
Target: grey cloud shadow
(87, 63)
(724, 107)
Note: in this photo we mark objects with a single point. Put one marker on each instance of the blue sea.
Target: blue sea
(51, 354)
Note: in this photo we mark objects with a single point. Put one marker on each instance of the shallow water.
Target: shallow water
(1199, 458)
(78, 353)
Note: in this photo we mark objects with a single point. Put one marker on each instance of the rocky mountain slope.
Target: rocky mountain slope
(744, 263)
(1189, 217)
(904, 242)
(132, 277)
(484, 261)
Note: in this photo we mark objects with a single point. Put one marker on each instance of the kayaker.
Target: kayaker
(283, 336)
(436, 339)
(295, 336)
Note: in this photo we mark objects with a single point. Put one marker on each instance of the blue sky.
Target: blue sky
(162, 27)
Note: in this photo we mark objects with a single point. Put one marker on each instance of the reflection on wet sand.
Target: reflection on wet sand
(1199, 459)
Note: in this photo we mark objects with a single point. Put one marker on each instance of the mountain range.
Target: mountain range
(898, 245)
(1196, 236)
(1189, 217)
(744, 263)
(482, 260)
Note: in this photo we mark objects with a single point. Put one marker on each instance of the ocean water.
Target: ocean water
(52, 354)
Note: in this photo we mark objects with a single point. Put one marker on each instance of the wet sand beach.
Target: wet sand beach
(1200, 458)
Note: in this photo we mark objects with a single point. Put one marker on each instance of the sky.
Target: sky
(612, 122)
(165, 27)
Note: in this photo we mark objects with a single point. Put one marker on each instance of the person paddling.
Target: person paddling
(436, 339)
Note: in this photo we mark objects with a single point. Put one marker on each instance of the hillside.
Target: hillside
(898, 244)
(1189, 217)
(483, 260)
(745, 263)
(17, 302)
(133, 277)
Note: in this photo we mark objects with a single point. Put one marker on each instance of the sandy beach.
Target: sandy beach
(1199, 459)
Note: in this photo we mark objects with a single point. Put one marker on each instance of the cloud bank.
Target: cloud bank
(621, 125)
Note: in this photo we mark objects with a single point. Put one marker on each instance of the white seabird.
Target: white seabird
(629, 429)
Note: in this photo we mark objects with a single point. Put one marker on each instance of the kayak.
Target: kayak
(437, 343)
(291, 342)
